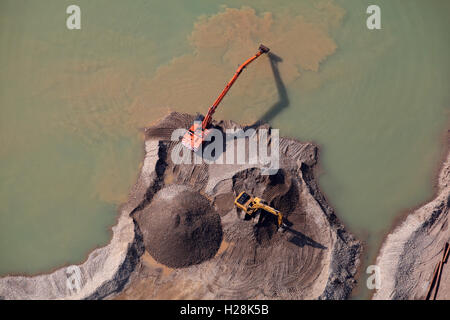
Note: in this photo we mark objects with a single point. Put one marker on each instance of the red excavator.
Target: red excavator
(194, 137)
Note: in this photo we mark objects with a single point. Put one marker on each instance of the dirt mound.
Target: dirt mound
(180, 228)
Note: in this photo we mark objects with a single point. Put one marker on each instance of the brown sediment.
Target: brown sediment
(191, 81)
(222, 41)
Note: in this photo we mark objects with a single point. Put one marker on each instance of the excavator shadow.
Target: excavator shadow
(283, 99)
(301, 240)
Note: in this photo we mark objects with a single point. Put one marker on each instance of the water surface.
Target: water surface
(73, 103)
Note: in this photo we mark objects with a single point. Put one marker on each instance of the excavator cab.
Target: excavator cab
(242, 200)
(250, 205)
(193, 138)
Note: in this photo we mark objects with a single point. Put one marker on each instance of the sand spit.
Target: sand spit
(106, 270)
(180, 236)
(411, 251)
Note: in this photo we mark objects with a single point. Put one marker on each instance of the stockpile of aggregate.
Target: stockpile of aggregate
(180, 228)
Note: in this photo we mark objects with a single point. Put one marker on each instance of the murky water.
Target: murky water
(72, 104)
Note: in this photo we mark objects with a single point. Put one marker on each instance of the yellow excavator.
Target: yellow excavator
(250, 205)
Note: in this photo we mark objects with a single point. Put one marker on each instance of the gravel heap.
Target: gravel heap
(180, 228)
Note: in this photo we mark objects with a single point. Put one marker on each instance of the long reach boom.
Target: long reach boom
(194, 137)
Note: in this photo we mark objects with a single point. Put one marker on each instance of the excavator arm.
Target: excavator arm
(207, 121)
(272, 211)
(194, 137)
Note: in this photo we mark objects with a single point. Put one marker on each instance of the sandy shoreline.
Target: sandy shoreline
(411, 250)
(105, 271)
(403, 214)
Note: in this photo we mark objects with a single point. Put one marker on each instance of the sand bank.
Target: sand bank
(411, 251)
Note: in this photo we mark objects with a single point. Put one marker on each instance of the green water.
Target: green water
(72, 104)
(378, 115)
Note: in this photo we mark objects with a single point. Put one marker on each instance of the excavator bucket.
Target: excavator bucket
(263, 49)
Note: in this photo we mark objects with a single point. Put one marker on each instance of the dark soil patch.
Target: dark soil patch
(180, 227)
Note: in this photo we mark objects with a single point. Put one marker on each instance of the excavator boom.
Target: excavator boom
(194, 137)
